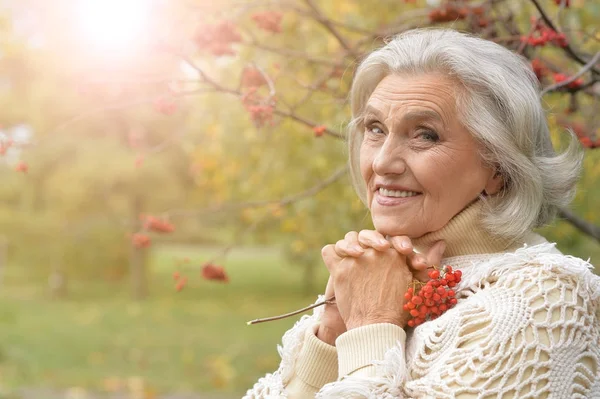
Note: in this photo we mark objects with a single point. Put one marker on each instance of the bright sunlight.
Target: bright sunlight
(113, 27)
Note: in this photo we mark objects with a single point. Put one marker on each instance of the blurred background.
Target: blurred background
(171, 169)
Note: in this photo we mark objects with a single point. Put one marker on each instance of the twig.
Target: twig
(329, 26)
(257, 204)
(583, 225)
(283, 316)
(583, 70)
(568, 49)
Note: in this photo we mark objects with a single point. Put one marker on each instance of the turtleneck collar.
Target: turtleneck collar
(464, 235)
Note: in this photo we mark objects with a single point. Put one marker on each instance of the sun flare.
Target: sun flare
(113, 26)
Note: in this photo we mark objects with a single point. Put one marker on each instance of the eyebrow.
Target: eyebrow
(410, 116)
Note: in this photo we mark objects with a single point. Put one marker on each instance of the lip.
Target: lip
(393, 201)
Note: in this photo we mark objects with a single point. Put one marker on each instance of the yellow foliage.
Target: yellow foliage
(221, 371)
(298, 246)
(112, 384)
(289, 226)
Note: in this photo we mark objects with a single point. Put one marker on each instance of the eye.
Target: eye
(373, 128)
(429, 135)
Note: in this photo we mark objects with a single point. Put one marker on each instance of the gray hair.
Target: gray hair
(499, 103)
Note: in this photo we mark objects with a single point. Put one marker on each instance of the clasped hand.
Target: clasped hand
(369, 275)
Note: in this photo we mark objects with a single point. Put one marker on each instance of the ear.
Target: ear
(494, 183)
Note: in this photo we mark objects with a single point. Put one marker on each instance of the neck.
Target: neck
(464, 234)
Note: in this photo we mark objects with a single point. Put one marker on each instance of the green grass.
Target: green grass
(193, 340)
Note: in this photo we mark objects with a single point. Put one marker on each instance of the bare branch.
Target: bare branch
(568, 49)
(583, 225)
(335, 176)
(329, 26)
(583, 70)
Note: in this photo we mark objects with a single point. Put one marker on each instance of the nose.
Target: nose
(390, 158)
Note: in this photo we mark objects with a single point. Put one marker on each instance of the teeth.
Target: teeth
(396, 193)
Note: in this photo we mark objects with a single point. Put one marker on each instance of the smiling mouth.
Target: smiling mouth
(396, 193)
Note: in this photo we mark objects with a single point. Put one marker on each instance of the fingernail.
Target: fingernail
(358, 248)
(405, 244)
(382, 241)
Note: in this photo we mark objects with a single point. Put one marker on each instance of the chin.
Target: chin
(392, 228)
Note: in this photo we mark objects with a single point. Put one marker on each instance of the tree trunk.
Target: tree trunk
(138, 256)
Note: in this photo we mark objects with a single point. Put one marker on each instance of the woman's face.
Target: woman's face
(420, 164)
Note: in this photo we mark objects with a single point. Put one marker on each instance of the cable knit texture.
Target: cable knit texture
(525, 326)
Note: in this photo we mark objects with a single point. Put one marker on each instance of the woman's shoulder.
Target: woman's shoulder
(536, 261)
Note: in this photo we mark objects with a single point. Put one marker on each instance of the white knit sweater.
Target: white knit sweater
(525, 326)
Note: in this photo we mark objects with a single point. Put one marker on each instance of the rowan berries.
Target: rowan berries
(427, 301)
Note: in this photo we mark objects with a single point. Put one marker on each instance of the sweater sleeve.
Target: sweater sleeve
(306, 365)
(531, 333)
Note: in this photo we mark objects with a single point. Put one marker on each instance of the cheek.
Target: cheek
(366, 163)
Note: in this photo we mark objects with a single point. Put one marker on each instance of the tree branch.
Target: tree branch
(583, 70)
(329, 26)
(581, 224)
(335, 176)
(568, 49)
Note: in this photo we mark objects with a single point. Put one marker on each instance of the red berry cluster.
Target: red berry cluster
(433, 298)
(269, 21)
(559, 2)
(451, 12)
(180, 281)
(165, 105)
(539, 68)
(140, 240)
(561, 77)
(213, 272)
(22, 167)
(260, 109)
(152, 223)
(251, 77)
(217, 39)
(542, 35)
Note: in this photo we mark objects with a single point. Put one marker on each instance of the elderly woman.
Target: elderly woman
(450, 151)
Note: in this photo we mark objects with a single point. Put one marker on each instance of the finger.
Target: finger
(418, 266)
(402, 244)
(330, 258)
(345, 248)
(436, 253)
(417, 261)
(373, 239)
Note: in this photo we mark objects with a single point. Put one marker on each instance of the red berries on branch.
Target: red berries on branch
(542, 35)
(269, 21)
(319, 130)
(213, 272)
(157, 225)
(260, 108)
(180, 281)
(428, 301)
(141, 240)
(252, 77)
(449, 12)
(218, 39)
(567, 3)
(561, 77)
(22, 167)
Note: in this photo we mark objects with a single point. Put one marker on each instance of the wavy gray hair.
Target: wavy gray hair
(499, 102)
